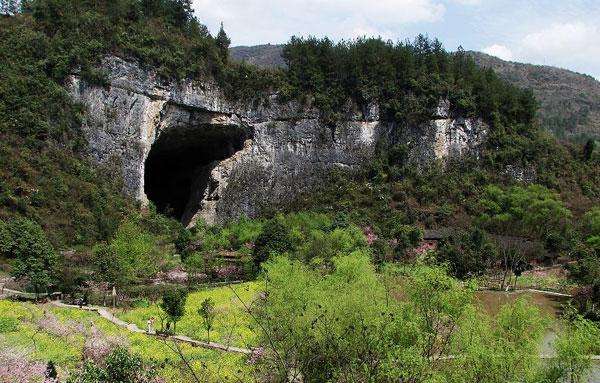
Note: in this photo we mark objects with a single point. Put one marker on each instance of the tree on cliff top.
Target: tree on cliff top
(223, 42)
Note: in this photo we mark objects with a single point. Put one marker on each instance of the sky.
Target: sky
(563, 33)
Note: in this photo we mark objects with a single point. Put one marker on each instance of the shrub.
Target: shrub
(33, 257)
(468, 253)
(275, 238)
(118, 366)
(333, 326)
(173, 305)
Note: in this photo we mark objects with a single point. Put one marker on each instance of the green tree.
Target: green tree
(32, 257)
(132, 254)
(468, 254)
(533, 211)
(406, 236)
(182, 242)
(208, 313)
(579, 340)
(591, 228)
(223, 41)
(589, 149)
(275, 238)
(111, 268)
(119, 366)
(173, 305)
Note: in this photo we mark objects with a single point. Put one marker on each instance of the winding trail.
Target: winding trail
(519, 291)
(105, 313)
(109, 316)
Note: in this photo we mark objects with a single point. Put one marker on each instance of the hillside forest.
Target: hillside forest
(381, 274)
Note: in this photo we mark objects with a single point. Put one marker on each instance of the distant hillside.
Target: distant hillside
(265, 56)
(569, 101)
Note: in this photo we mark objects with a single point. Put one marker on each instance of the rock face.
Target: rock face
(443, 137)
(569, 101)
(184, 146)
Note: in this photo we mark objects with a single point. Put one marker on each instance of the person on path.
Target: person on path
(150, 324)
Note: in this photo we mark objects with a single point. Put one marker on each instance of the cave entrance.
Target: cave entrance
(178, 166)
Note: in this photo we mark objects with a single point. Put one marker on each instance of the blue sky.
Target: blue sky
(551, 32)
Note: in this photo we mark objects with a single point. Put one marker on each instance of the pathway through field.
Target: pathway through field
(106, 314)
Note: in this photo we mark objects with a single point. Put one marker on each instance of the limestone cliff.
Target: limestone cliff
(184, 146)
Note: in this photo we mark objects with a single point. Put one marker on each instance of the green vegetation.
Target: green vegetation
(407, 79)
(402, 324)
(32, 257)
(118, 366)
(532, 211)
(68, 336)
(586, 272)
(44, 175)
(173, 306)
(578, 340)
(140, 248)
(342, 286)
(468, 254)
(231, 325)
(207, 313)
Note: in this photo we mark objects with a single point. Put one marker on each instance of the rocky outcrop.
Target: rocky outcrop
(569, 102)
(445, 136)
(189, 148)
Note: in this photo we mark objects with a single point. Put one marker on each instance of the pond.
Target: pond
(549, 305)
(492, 301)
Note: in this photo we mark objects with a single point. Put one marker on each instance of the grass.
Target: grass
(554, 281)
(43, 344)
(232, 325)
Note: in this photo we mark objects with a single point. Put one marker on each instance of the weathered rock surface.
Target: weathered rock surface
(231, 158)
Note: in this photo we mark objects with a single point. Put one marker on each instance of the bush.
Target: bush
(173, 305)
(275, 238)
(119, 366)
(468, 253)
(580, 339)
(334, 327)
(320, 247)
(33, 257)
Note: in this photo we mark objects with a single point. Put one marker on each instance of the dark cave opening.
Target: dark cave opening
(178, 166)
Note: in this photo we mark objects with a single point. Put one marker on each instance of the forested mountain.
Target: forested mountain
(569, 101)
(266, 56)
(120, 117)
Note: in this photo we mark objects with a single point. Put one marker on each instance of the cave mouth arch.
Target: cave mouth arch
(177, 169)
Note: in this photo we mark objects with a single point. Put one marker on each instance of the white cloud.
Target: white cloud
(563, 43)
(559, 33)
(467, 2)
(499, 51)
(262, 21)
(572, 45)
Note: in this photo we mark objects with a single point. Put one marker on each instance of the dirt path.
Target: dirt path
(109, 316)
(518, 291)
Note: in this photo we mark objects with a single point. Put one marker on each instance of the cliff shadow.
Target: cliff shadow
(177, 169)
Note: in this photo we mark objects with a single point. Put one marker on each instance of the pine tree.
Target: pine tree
(223, 42)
